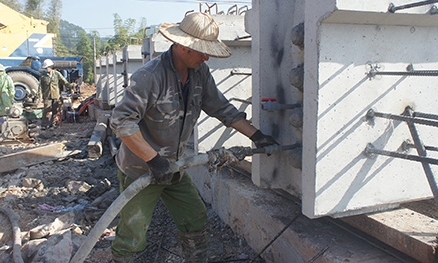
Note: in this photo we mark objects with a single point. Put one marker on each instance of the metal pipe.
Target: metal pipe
(275, 148)
(241, 100)
(237, 72)
(64, 64)
(274, 106)
(243, 37)
(392, 8)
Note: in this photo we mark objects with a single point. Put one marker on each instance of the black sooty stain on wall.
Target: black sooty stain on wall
(281, 95)
(275, 173)
(275, 130)
(277, 49)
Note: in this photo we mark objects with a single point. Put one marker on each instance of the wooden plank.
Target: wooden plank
(32, 156)
(97, 140)
(412, 233)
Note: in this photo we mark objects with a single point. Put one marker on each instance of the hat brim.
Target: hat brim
(215, 48)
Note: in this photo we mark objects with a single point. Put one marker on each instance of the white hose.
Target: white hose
(133, 189)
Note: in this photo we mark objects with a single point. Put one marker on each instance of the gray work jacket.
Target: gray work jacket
(153, 103)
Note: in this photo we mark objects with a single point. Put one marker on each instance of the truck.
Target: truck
(25, 44)
(26, 76)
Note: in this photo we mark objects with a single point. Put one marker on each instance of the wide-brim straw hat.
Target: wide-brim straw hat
(199, 32)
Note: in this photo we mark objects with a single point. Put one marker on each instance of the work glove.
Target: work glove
(161, 170)
(261, 140)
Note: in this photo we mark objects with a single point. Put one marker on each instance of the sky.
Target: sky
(99, 14)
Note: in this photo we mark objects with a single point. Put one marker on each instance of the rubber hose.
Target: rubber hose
(133, 189)
(112, 211)
(17, 234)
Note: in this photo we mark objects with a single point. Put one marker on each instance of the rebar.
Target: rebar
(422, 73)
(392, 8)
(422, 153)
(416, 114)
(371, 114)
(408, 117)
(276, 237)
(276, 148)
(370, 151)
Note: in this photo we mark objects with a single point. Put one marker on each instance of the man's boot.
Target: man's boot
(124, 259)
(194, 246)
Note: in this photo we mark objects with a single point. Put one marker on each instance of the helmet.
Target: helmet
(2, 68)
(47, 63)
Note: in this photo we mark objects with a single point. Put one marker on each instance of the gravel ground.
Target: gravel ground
(39, 194)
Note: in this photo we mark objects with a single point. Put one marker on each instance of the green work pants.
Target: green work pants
(53, 105)
(181, 199)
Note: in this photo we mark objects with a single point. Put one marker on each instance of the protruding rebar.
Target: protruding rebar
(371, 114)
(422, 73)
(371, 151)
(392, 8)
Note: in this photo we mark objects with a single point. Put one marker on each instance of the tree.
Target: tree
(54, 16)
(14, 4)
(69, 33)
(84, 49)
(125, 32)
(34, 8)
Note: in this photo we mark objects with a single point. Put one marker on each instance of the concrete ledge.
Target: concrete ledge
(259, 215)
(404, 229)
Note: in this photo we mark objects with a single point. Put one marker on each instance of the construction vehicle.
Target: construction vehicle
(27, 74)
(25, 45)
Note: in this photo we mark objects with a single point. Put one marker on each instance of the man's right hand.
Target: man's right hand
(261, 140)
(161, 170)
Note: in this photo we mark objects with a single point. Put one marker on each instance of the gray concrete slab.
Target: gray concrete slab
(262, 216)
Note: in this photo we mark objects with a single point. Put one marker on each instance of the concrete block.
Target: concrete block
(273, 225)
(339, 179)
(408, 231)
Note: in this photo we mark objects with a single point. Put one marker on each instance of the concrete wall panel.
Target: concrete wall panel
(338, 178)
(274, 57)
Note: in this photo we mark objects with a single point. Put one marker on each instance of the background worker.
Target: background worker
(7, 91)
(50, 93)
(155, 119)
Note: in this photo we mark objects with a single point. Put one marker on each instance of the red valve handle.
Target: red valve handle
(268, 99)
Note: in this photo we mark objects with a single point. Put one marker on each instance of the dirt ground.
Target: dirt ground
(69, 195)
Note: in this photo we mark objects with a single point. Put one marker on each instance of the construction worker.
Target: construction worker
(50, 93)
(155, 119)
(7, 91)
